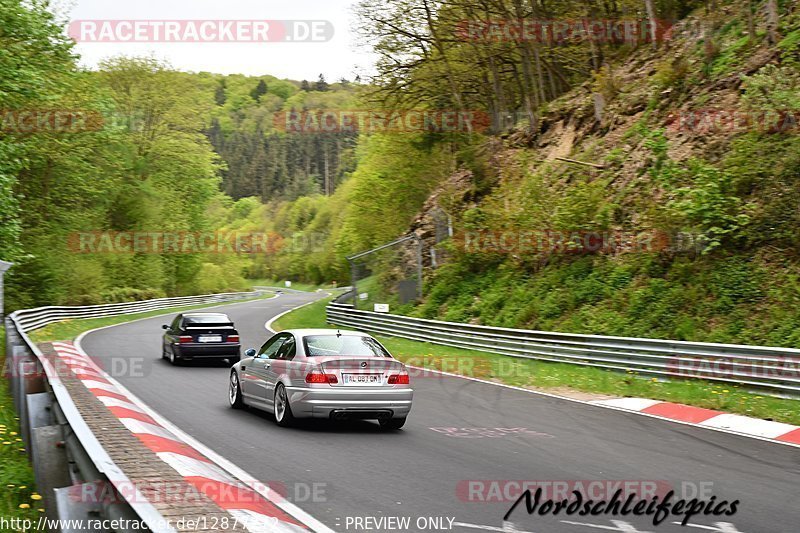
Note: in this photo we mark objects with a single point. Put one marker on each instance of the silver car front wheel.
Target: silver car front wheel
(235, 392)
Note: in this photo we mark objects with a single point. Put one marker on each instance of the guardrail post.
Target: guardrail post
(51, 464)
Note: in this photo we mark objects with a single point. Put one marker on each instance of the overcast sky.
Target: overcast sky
(335, 59)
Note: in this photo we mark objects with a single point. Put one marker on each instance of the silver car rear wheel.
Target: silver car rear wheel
(283, 411)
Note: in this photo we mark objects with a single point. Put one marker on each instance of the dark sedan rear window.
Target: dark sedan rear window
(217, 320)
(322, 345)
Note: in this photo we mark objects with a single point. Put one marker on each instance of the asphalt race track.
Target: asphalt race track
(360, 474)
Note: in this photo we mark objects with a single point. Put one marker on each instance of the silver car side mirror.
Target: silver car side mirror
(250, 353)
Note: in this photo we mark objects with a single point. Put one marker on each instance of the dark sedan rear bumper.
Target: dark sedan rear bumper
(211, 350)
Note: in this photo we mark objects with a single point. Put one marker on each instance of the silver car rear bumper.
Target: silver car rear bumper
(322, 402)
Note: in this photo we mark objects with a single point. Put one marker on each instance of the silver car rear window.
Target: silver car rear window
(355, 345)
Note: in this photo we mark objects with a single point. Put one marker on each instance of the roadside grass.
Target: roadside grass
(564, 378)
(309, 316)
(18, 498)
(70, 329)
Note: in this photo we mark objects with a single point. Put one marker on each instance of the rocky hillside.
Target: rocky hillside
(695, 141)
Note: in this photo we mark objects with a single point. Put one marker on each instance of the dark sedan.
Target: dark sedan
(201, 336)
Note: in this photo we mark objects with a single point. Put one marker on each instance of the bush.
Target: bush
(671, 73)
(709, 205)
(606, 82)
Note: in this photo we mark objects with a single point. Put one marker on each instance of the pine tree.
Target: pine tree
(219, 94)
(259, 91)
(322, 85)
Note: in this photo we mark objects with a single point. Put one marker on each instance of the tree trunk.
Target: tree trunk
(773, 22)
(326, 164)
(651, 16)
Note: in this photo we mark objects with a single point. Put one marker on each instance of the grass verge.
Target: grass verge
(70, 329)
(18, 498)
(565, 378)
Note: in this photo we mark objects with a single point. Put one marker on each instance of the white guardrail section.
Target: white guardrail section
(48, 414)
(773, 370)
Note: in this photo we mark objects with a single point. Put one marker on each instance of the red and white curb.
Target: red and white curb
(708, 418)
(743, 426)
(253, 504)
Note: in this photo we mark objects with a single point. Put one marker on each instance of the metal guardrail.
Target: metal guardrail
(774, 370)
(32, 319)
(65, 453)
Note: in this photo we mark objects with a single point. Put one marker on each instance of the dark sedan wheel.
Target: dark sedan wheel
(235, 392)
(283, 411)
(174, 359)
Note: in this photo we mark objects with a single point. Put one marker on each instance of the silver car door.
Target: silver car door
(277, 368)
(254, 382)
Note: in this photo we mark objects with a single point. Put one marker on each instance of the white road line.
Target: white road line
(268, 324)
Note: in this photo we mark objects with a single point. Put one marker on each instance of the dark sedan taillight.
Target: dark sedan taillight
(233, 338)
(183, 339)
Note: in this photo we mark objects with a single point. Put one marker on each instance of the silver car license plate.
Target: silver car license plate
(209, 338)
(362, 379)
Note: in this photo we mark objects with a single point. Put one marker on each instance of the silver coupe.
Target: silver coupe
(323, 373)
